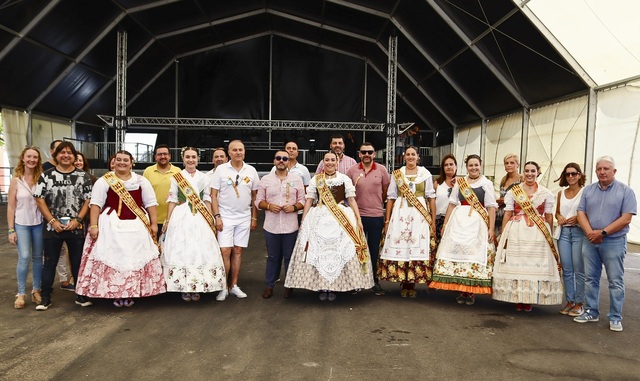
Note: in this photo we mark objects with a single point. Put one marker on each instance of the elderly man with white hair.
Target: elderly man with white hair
(604, 214)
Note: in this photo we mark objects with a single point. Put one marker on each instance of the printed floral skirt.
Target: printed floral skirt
(407, 271)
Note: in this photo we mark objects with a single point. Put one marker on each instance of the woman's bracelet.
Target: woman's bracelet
(268, 206)
(216, 215)
(93, 226)
(254, 218)
(51, 220)
(11, 231)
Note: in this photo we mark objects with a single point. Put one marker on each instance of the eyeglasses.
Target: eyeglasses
(571, 174)
(367, 151)
(237, 178)
(282, 158)
(163, 154)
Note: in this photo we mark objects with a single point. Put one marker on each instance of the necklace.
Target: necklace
(474, 178)
(330, 174)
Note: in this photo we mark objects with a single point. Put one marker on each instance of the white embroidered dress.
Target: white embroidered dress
(191, 255)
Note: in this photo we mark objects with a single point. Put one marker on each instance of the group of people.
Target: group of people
(347, 228)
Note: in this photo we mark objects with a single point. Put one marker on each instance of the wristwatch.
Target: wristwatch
(604, 233)
(79, 220)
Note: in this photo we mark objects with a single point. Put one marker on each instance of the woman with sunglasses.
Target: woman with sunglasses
(466, 253)
(570, 239)
(409, 235)
(444, 185)
(331, 252)
(526, 269)
(25, 223)
(191, 255)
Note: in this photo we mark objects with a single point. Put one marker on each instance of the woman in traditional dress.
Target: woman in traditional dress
(331, 253)
(467, 250)
(191, 255)
(570, 239)
(526, 271)
(409, 238)
(25, 224)
(120, 259)
(513, 177)
(443, 186)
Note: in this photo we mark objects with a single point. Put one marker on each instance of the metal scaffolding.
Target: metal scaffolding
(391, 103)
(120, 123)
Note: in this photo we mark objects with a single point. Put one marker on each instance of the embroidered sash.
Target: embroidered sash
(196, 202)
(413, 201)
(117, 186)
(472, 199)
(527, 206)
(356, 235)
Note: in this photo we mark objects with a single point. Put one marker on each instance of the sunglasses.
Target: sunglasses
(367, 151)
(282, 158)
(571, 174)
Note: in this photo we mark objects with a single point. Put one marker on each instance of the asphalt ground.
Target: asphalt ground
(357, 337)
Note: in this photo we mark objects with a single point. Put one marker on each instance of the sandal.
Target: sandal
(128, 303)
(186, 297)
(195, 297)
(36, 297)
(567, 308)
(117, 303)
(19, 303)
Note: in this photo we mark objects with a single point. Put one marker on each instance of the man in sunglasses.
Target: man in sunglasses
(281, 196)
(371, 181)
(344, 161)
(233, 192)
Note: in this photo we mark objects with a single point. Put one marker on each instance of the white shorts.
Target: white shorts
(234, 235)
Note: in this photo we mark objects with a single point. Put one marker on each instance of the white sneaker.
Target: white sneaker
(236, 291)
(222, 295)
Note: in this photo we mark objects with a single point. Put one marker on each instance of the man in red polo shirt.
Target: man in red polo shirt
(371, 181)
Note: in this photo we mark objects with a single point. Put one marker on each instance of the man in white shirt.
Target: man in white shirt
(233, 192)
(219, 158)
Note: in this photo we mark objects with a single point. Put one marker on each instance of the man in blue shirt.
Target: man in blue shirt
(604, 214)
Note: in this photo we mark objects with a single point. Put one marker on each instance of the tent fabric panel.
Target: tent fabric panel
(603, 35)
(146, 67)
(15, 124)
(503, 136)
(20, 13)
(157, 100)
(310, 83)
(450, 100)
(481, 85)
(468, 140)
(514, 49)
(45, 130)
(242, 92)
(428, 29)
(352, 20)
(475, 17)
(617, 110)
(23, 82)
(556, 137)
(64, 98)
(83, 21)
(170, 17)
(220, 9)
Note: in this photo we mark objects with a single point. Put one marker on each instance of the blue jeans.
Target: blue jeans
(52, 248)
(372, 227)
(570, 248)
(279, 247)
(610, 253)
(29, 248)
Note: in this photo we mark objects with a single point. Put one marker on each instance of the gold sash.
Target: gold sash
(118, 186)
(527, 206)
(356, 235)
(194, 199)
(472, 199)
(413, 201)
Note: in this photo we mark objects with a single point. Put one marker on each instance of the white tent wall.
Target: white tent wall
(616, 135)
(16, 124)
(556, 136)
(467, 141)
(503, 136)
(45, 130)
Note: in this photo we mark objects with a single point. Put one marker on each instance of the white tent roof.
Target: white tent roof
(603, 36)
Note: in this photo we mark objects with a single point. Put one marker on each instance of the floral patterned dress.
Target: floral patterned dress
(465, 259)
(123, 261)
(405, 255)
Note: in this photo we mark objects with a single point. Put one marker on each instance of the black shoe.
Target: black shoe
(44, 305)
(83, 301)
